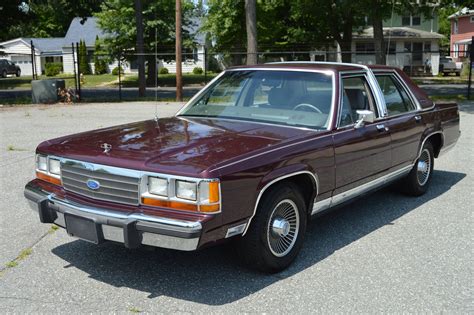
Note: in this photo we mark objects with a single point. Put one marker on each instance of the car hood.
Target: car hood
(176, 145)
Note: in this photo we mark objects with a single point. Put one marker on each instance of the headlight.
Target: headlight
(42, 163)
(54, 167)
(48, 169)
(186, 190)
(158, 186)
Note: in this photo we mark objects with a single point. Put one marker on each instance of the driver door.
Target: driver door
(360, 153)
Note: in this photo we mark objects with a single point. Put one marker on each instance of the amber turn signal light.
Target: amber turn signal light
(179, 205)
(169, 204)
(213, 193)
(48, 178)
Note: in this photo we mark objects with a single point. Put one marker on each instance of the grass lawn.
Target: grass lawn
(170, 79)
(453, 98)
(90, 80)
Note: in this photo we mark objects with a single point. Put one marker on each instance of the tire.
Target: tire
(4, 73)
(416, 183)
(18, 73)
(274, 238)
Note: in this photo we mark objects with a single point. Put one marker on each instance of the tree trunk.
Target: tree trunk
(251, 25)
(377, 24)
(346, 41)
(140, 56)
(179, 78)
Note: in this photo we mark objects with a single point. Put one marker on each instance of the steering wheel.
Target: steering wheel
(303, 105)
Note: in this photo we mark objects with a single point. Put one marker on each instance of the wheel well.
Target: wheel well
(307, 187)
(436, 141)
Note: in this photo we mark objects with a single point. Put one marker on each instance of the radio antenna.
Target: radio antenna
(156, 75)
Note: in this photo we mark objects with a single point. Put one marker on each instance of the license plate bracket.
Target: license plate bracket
(83, 228)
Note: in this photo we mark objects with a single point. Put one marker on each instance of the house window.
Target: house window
(49, 59)
(427, 47)
(406, 21)
(410, 20)
(365, 48)
(472, 18)
(415, 20)
(407, 47)
(392, 49)
(455, 27)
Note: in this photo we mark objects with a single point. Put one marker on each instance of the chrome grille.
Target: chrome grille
(113, 187)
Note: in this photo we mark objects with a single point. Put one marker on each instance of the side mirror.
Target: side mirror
(365, 116)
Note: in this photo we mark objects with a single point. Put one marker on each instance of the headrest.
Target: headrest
(357, 99)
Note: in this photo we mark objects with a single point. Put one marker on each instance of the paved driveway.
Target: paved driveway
(386, 252)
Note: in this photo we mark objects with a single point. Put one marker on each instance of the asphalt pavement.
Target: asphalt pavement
(384, 253)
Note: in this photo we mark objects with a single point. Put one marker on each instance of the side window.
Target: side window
(396, 97)
(355, 96)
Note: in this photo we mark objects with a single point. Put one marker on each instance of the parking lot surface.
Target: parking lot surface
(385, 252)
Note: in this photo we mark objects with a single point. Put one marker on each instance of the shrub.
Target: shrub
(115, 71)
(53, 68)
(84, 66)
(197, 70)
(164, 70)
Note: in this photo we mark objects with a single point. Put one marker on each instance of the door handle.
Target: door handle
(417, 118)
(381, 127)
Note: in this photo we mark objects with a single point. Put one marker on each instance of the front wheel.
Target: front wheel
(276, 233)
(417, 181)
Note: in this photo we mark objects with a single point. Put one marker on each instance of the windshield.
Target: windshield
(294, 98)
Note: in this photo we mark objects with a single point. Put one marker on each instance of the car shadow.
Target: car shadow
(214, 277)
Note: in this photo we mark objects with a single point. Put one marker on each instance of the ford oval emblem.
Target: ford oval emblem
(93, 184)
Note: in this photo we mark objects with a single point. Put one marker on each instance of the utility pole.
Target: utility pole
(179, 74)
(251, 25)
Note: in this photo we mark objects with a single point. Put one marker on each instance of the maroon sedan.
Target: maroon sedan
(252, 157)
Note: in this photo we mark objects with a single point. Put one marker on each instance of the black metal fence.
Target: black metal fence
(200, 66)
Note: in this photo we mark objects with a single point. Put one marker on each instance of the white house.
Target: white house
(60, 50)
(46, 50)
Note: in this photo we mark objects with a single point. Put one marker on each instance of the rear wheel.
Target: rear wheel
(4, 73)
(18, 72)
(417, 181)
(276, 234)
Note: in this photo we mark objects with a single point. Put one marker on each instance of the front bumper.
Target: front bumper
(131, 229)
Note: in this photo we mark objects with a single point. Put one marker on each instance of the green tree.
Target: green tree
(84, 66)
(42, 18)
(118, 17)
(100, 58)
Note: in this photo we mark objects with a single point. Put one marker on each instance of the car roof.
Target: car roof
(332, 66)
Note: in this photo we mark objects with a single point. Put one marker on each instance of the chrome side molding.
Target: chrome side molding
(354, 192)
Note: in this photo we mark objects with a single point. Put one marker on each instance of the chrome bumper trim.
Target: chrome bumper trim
(153, 231)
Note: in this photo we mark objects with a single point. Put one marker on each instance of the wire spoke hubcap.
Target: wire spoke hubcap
(423, 167)
(283, 228)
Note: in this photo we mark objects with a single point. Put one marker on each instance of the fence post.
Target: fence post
(471, 54)
(78, 72)
(74, 68)
(205, 65)
(33, 57)
(119, 74)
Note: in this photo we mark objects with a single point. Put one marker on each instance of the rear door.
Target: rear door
(405, 121)
(361, 152)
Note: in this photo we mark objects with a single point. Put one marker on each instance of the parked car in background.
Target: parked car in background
(252, 157)
(7, 67)
(447, 65)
